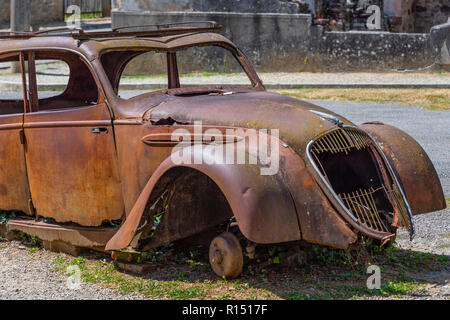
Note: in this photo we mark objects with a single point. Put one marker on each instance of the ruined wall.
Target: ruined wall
(429, 13)
(254, 33)
(413, 16)
(371, 51)
(5, 12)
(416, 15)
(290, 43)
(247, 6)
(42, 12)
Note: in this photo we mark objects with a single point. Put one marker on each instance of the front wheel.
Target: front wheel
(225, 255)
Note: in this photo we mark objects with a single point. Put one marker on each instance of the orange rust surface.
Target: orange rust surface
(14, 190)
(85, 177)
(413, 167)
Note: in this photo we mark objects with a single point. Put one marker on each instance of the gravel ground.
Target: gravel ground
(30, 276)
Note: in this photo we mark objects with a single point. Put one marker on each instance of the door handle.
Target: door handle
(99, 130)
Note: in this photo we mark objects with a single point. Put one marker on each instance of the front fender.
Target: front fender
(412, 167)
(262, 204)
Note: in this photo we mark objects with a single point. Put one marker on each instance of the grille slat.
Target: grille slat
(359, 202)
(400, 205)
(340, 141)
(362, 204)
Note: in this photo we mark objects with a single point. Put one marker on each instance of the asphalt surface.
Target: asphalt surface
(430, 128)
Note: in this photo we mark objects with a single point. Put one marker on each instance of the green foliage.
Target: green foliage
(188, 293)
(33, 250)
(349, 291)
(345, 276)
(400, 287)
(326, 256)
(295, 295)
(33, 240)
(328, 273)
(276, 253)
(6, 215)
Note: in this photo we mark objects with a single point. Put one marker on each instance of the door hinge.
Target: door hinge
(22, 136)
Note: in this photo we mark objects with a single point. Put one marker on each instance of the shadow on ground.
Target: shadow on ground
(315, 272)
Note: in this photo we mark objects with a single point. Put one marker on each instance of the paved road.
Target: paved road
(430, 128)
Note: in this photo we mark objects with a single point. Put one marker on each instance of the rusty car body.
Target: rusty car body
(91, 169)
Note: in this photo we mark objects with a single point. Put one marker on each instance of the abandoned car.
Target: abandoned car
(91, 165)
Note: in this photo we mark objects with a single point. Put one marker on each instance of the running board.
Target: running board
(75, 235)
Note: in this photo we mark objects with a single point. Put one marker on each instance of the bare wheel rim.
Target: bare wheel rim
(225, 255)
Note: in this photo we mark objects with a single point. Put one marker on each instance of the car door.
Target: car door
(14, 190)
(70, 151)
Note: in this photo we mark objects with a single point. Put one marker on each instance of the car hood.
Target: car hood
(294, 119)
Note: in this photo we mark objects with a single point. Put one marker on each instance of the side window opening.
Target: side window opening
(128, 70)
(11, 91)
(63, 80)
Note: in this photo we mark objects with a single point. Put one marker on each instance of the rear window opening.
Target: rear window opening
(11, 93)
(51, 81)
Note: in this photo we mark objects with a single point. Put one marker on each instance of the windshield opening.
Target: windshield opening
(133, 73)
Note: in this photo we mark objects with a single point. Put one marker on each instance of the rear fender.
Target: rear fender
(412, 166)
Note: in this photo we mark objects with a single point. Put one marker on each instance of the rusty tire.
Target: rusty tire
(225, 256)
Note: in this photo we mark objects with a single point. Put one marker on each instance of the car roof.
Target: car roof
(158, 37)
(93, 47)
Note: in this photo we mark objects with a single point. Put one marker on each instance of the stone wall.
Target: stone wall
(261, 36)
(290, 43)
(42, 12)
(429, 13)
(371, 51)
(246, 6)
(5, 12)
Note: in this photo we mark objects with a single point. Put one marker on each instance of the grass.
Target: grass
(431, 99)
(86, 15)
(327, 274)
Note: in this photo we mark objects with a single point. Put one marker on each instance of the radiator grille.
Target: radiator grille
(340, 140)
(360, 202)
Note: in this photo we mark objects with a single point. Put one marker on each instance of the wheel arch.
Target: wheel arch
(262, 205)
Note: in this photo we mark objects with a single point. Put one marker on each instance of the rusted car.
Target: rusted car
(87, 167)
